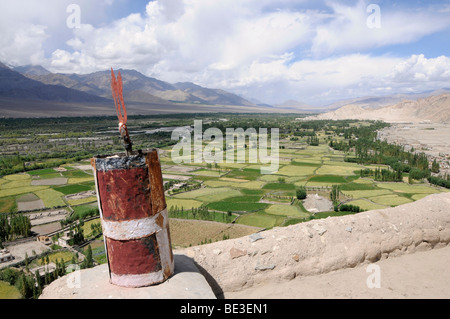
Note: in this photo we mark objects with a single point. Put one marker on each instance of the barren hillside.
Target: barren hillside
(434, 109)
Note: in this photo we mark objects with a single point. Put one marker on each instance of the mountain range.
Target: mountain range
(33, 91)
(35, 82)
(16, 85)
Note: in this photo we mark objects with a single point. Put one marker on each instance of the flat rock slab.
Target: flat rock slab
(186, 283)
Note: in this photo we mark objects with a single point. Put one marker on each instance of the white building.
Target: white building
(5, 256)
(42, 270)
(63, 241)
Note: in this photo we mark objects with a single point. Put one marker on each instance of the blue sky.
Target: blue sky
(312, 51)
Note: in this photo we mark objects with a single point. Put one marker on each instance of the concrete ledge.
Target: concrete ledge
(186, 283)
(324, 245)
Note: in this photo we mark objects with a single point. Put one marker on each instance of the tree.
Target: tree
(88, 261)
(334, 195)
(301, 193)
(26, 261)
(25, 286)
(38, 281)
(21, 285)
(435, 166)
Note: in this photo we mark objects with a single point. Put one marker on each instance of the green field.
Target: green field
(280, 186)
(9, 292)
(333, 179)
(338, 169)
(51, 198)
(366, 204)
(286, 210)
(82, 210)
(53, 257)
(366, 193)
(76, 173)
(296, 170)
(390, 200)
(183, 203)
(80, 180)
(40, 172)
(406, 188)
(260, 220)
(8, 205)
(210, 194)
(73, 189)
(226, 206)
(75, 202)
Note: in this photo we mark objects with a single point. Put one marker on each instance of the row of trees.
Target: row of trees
(369, 150)
(313, 140)
(21, 163)
(335, 193)
(80, 216)
(439, 181)
(347, 208)
(384, 175)
(200, 213)
(14, 225)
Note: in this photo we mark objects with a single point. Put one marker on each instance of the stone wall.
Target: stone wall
(324, 245)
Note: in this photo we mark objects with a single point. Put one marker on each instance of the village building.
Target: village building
(63, 241)
(44, 240)
(42, 270)
(5, 256)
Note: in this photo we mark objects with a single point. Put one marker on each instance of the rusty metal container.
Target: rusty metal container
(134, 218)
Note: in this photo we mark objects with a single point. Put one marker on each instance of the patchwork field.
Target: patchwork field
(227, 186)
(43, 189)
(256, 199)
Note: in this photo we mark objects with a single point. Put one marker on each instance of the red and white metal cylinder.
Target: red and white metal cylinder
(134, 218)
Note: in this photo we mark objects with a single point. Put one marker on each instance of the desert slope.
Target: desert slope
(434, 109)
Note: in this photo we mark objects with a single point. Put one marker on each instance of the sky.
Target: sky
(312, 51)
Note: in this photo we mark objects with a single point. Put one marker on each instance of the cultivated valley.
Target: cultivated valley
(326, 168)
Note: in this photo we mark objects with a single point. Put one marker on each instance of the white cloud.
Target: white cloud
(23, 45)
(267, 50)
(317, 81)
(418, 71)
(198, 35)
(347, 29)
